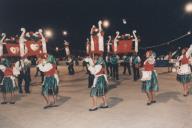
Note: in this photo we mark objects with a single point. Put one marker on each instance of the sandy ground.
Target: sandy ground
(127, 106)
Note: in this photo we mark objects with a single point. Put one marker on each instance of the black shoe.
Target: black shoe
(47, 106)
(185, 95)
(12, 102)
(93, 109)
(54, 105)
(149, 103)
(153, 101)
(104, 106)
(4, 102)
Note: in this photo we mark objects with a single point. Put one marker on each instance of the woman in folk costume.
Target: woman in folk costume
(99, 87)
(184, 71)
(149, 78)
(51, 80)
(8, 83)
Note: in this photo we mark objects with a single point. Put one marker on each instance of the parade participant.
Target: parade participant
(8, 83)
(84, 64)
(149, 78)
(184, 71)
(135, 61)
(115, 67)
(70, 64)
(127, 64)
(99, 87)
(23, 65)
(169, 58)
(37, 69)
(89, 62)
(108, 65)
(51, 81)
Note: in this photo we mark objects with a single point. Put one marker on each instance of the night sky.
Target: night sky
(156, 21)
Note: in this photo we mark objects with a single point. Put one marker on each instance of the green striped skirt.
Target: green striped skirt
(101, 87)
(7, 86)
(50, 86)
(183, 79)
(151, 85)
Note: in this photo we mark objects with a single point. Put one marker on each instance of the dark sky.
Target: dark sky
(155, 20)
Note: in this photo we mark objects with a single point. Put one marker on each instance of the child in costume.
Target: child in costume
(149, 78)
(8, 83)
(51, 81)
(99, 87)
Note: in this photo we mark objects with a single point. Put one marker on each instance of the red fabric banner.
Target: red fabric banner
(12, 49)
(33, 48)
(123, 46)
(96, 46)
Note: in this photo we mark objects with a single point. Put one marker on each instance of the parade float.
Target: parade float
(118, 44)
(122, 44)
(27, 45)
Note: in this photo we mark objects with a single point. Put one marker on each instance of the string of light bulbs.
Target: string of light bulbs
(166, 43)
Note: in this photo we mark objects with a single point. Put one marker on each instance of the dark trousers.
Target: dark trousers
(136, 74)
(108, 68)
(87, 71)
(42, 76)
(127, 66)
(24, 77)
(90, 80)
(115, 72)
(71, 70)
(37, 71)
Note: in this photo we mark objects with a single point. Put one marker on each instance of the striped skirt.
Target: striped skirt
(151, 85)
(101, 87)
(7, 86)
(50, 86)
(183, 79)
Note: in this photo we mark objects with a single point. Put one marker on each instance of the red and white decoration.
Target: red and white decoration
(97, 39)
(121, 45)
(124, 44)
(109, 45)
(1, 44)
(33, 48)
(24, 47)
(13, 49)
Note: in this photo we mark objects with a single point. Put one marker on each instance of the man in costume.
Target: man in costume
(127, 63)
(115, 67)
(135, 61)
(108, 65)
(23, 65)
(70, 63)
